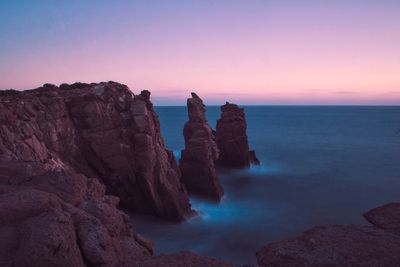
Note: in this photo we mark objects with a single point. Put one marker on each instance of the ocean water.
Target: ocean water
(320, 165)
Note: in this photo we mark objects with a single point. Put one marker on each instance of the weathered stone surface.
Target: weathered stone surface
(197, 159)
(341, 245)
(55, 144)
(386, 217)
(181, 259)
(48, 240)
(231, 138)
(99, 130)
(38, 228)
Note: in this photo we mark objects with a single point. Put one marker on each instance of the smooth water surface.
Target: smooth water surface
(320, 165)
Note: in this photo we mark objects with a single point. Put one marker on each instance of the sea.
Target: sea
(319, 165)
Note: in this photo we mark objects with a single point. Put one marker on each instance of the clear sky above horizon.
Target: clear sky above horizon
(249, 52)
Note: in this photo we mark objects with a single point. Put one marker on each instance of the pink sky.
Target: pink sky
(250, 52)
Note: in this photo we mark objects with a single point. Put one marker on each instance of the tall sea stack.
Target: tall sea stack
(200, 153)
(232, 140)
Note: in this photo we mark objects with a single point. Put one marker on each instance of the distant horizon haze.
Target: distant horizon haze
(254, 52)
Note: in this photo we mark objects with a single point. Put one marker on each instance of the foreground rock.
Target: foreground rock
(338, 245)
(200, 153)
(100, 130)
(40, 227)
(181, 259)
(386, 217)
(232, 140)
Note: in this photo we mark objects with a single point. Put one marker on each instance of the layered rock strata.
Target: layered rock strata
(200, 153)
(231, 138)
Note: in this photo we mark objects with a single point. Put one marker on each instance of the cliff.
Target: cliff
(99, 130)
(61, 149)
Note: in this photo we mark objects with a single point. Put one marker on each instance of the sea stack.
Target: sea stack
(98, 130)
(232, 140)
(200, 153)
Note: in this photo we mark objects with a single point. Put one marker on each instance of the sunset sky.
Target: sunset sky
(249, 52)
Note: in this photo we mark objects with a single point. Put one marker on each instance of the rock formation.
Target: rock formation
(386, 217)
(55, 217)
(181, 259)
(338, 245)
(57, 147)
(197, 159)
(232, 140)
(99, 130)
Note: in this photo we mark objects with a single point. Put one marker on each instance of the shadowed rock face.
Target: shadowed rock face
(342, 245)
(197, 159)
(60, 218)
(100, 130)
(231, 138)
(54, 211)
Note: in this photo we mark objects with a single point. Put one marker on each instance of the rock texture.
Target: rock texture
(386, 217)
(231, 138)
(58, 146)
(200, 153)
(99, 130)
(42, 225)
(338, 245)
(181, 259)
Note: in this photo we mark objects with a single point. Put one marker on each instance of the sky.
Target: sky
(248, 52)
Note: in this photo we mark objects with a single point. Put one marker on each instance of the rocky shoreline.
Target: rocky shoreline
(342, 245)
(73, 156)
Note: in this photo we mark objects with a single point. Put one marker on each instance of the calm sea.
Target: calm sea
(320, 165)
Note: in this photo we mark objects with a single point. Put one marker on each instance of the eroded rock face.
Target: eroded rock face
(341, 245)
(57, 147)
(39, 228)
(99, 130)
(231, 138)
(197, 159)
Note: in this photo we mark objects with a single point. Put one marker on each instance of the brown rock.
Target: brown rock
(54, 143)
(48, 240)
(197, 159)
(144, 242)
(38, 228)
(341, 245)
(334, 245)
(100, 130)
(181, 259)
(386, 217)
(232, 140)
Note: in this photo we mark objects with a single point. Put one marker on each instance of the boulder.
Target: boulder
(386, 217)
(39, 228)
